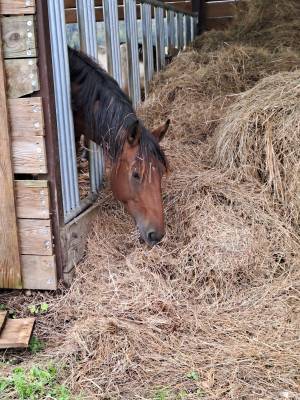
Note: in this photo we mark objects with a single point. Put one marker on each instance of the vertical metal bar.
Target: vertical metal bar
(132, 51)
(88, 43)
(147, 44)
(157, 16)
(64, 114)
(171, 29)
(192, 28)
(162, 36)
(195, 26)
(180, 30)
(112, 38)
(187, 29)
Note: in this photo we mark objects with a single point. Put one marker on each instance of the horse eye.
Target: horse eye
(136, 175)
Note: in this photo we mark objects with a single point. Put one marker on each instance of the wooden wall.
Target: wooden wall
(27, 147)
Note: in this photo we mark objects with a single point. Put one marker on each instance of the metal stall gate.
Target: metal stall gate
(162, 27)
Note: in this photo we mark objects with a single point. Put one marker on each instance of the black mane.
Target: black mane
(107, 110)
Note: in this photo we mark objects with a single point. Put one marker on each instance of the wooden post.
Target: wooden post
(10, 267)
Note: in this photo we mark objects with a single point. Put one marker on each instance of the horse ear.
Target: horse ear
(134, 133)
(160, 132)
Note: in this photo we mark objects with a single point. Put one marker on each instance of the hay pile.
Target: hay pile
(260, 138)
(213, 312)
(269, 24)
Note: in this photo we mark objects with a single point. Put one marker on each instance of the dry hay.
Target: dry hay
(272, 24)
(260, 138)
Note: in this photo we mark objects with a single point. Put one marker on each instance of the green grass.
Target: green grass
(33, 384)
(35, 345)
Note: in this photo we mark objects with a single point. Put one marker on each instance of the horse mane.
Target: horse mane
(107, 110)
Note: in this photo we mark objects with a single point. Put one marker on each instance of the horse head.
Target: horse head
(136, 179)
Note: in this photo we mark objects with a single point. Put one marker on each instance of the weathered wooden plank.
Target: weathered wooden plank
(10, 268)
(73, 239)
(35, 236)
(39, 272)
(29, 155)
(16, 333)
(22, 77)
(26, 117)
(18, 35)
(3, 315)
(32, 199)
(17, 7)
(220, 9)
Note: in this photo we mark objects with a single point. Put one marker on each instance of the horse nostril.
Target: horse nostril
(154, 237)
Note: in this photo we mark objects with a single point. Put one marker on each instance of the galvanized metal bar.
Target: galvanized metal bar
(65, 127)
(157, 17)
(194, 25)
(88, 43)
(179, 19)
(147, 44)
(171, 29)
(132, 51)
(192, 29)
(112, 38)
(187, 23)
(162, 36)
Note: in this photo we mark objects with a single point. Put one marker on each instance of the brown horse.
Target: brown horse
(105, 115)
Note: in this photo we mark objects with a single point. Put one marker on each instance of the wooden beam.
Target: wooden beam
(16, 333)
(3, 316)
(32, 199)
(51, 135)
(74, 237)
(39, 272)
(10, 268)
(17, 7)
(35, 236)
(29, 155)
(99, 3)
(22, 77)
(18, 35)
(26, 117)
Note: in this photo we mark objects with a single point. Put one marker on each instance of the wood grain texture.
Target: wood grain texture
(10, 269)
(32, 199)
(73, 238)
(16, 333)
(35, 236)
(8, 7)
(29, 155)
(18, 36)
(3, 316)
(39, 272)
(22, 77)
(26, 116)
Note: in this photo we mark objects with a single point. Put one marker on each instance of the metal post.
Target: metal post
(187, 30)
(132, 51)
(171, 29)
(147, 44)
(159, 35)
(112, 37)
(61, 74)
(88, 43)
(179, 20)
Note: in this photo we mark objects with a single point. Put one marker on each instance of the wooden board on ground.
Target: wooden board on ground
(32, 199)
(3, 315)
(10, 268)
(26, 117)
(29, 155)
(16, 333)
(22, 77)
(17, 7)
(18, 36)
(35, 236)
(39, 272)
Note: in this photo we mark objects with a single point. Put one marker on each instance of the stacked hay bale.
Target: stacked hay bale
(213, 312)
